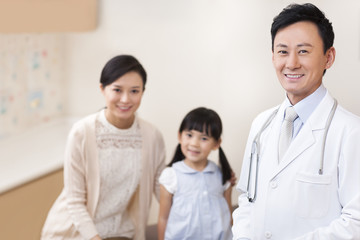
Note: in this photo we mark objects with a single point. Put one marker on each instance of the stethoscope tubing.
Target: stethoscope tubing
(255, 148)
(328, 122)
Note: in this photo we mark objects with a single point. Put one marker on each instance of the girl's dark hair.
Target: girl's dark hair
(204, 120)
(119, 66)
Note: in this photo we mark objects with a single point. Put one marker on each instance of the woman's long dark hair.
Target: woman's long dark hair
(204, 120)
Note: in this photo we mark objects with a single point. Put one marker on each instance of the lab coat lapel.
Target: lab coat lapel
(303, 141)
(306, 138)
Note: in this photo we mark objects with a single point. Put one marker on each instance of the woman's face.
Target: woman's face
(123, 98)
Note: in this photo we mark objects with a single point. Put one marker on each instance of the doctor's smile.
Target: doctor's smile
(294, 76)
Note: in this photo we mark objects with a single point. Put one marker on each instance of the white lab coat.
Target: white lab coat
(293, 200)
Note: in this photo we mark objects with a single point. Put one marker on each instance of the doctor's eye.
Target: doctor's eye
(303, 51)
(282, 52)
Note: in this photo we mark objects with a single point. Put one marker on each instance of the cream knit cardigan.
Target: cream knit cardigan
(71, 216)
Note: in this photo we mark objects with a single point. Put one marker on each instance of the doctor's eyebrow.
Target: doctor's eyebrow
(304, 45)
(282, 45)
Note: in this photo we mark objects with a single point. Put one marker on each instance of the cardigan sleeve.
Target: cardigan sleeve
(160, 163)
(75, 182)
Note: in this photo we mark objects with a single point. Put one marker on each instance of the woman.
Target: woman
(112, 163)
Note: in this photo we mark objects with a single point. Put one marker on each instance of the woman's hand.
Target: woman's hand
(97, 237)
(233, 179)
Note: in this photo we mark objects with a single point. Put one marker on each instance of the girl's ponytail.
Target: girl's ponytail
(225, 166)
(178, 156)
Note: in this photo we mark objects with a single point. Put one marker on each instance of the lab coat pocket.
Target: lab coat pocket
(312, 195)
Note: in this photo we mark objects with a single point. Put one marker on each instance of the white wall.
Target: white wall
(213, 53)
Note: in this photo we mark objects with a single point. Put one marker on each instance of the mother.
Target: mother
(112, 162)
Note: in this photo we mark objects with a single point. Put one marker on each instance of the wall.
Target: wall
(211, 53)
(31, 81)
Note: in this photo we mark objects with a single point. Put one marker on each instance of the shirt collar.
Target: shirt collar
(182, 167)
(306, 107)
(132, 128)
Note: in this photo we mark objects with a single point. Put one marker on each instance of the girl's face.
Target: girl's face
(123, 98)
(196, 147)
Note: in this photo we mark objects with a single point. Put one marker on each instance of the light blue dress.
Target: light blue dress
(199, 210)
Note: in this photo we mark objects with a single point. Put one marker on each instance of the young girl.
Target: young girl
(195, 195)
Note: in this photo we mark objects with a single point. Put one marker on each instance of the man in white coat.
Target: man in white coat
(312, 189)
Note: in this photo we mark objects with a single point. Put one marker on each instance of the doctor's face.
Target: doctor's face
(299, 59)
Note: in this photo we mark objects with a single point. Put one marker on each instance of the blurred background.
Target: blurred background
(212, 53)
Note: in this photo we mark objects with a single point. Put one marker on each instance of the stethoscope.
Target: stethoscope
(255, 149)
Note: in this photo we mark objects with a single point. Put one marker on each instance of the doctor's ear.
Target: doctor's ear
(330, 57)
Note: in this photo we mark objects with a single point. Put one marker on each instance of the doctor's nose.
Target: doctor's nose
(292, 62)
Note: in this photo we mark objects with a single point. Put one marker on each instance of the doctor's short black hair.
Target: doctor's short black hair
(294, 13)
(118, 66)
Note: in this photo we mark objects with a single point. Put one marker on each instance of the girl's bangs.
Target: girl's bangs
(198, 126)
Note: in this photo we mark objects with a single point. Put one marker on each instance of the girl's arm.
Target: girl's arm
(165, 206)
(227, 195)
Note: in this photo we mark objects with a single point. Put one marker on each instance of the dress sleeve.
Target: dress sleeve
(168, 180)
(226, 185)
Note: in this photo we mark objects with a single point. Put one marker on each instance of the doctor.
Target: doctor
(306, 191)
